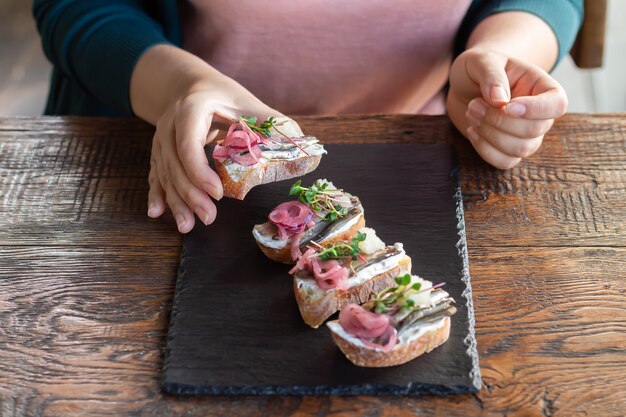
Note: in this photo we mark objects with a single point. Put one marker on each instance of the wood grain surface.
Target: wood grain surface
(86, 279)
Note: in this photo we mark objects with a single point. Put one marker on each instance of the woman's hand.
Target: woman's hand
(180, 176)
(183, 97)
(503, 105)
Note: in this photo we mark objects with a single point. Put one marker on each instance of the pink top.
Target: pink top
(330, 56)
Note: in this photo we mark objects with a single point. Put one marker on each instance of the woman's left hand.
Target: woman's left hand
(504, 106)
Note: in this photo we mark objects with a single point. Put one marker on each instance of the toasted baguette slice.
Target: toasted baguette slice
(432, 335)
(418, 312)
(238, 180)
(279, 250)
(316, 305)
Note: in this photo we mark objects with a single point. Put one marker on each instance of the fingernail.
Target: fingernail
(472, 135)
(152, 212)
(477, 108)
(181, 222)
(203, 216)
(472, 119)
(515, 109)
(499, 94)
(214, 191)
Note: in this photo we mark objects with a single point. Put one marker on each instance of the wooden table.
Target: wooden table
(87, 279)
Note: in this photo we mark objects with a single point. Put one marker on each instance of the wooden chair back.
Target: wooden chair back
(588, 50)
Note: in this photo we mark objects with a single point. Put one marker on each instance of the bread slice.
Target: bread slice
(432, 335)
(238, 180)
(279, 250)
(317, 305)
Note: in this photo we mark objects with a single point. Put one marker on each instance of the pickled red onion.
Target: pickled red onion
(247, 159)
(328, 275)
(362, 323)
(304, 261)
(295, 246)
(367, 326)
(290, 218)
(237, 141)
(220, 152)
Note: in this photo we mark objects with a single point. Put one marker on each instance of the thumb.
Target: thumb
(488, 70)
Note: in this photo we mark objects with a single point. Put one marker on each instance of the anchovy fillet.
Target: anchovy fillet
(451, 310)
(285, 149)
(379, 256)
(324, 228)
(442, 307)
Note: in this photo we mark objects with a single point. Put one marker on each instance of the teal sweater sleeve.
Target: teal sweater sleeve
(563, 16)
(94, 46)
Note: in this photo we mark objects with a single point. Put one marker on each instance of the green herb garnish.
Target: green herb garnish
(264, 127)
(396, 297)
(343, 250)
(319, 197)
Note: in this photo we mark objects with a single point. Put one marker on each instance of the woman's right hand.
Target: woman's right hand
(180, 176)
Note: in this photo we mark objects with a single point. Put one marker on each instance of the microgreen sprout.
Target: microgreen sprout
(396, 298)
(319, 198)
(264, 127)
(343, 250)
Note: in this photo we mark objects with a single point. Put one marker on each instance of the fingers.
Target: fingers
(512, 137)
(156, 198)
(488, 70)
(550, 104)
(156, 195)
(169, 183)
(192, 126)
(506, 143)
(489, 152)
(174, 180)
(479, 112)
(504, 129)
(536, 94)
(211, 136)
(183, 216)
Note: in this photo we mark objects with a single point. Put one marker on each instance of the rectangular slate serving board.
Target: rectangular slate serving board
(235, 327)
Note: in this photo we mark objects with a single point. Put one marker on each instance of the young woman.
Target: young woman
(183, 65)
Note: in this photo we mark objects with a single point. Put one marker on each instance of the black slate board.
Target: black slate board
(235, 326)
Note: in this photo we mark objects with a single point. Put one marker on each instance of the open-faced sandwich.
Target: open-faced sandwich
(322, 214)
(326, 278)
(400, 324)
(251, 155)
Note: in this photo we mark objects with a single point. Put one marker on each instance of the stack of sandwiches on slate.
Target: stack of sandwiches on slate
(387, 316)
